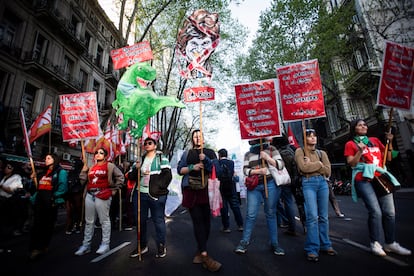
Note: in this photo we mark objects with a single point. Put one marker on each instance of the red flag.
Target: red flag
(291, 138)
(42, 124)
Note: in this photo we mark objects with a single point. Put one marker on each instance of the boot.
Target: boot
(210, 264)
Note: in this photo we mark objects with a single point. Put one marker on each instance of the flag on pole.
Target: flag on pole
(291, 138)
(42, 124)
(25, 135)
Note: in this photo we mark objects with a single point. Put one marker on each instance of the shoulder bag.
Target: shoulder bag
(281, 176)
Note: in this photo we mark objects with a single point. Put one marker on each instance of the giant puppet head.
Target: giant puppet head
(196, 41)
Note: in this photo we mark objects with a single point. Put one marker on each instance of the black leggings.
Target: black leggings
(200, 215)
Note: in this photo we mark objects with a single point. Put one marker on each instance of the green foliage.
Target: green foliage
(282, 37)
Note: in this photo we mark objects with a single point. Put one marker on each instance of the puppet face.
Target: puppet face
(196, 47)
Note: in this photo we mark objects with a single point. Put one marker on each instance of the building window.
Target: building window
(332, 113)
(358, 59)
(360, 109)
(108, 99)
(40, 48)
(99, 56)
(29, 94)
(4, 82)
(8, 28)
(83, 78)
(68, 65)
(96, 87)
(87, 40)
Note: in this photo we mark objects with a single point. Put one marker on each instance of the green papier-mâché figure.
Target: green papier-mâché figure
(136, 101)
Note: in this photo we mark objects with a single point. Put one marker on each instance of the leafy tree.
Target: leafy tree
(159, 22)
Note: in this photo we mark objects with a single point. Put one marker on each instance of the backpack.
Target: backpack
(74, 184)
(226, 179)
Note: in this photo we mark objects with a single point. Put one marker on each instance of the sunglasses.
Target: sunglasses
(99, 152)
(148, 143)
(309, 131)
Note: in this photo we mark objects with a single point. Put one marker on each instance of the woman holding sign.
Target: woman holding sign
(365, 156)
(102, 180)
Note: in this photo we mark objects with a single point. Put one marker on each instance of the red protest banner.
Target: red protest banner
(129, 55)
(198, 94)
(397, 77)
(301, 95)
(258, 109)
(79, 115)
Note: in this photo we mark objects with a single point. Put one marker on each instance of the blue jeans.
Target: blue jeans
(254, 201)
(316, 193)
(234, 203)
(381, 212)
(286, 197)
(157, 208)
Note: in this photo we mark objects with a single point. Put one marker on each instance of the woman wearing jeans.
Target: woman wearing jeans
(314, 171)
(257, 196)
(364, 155)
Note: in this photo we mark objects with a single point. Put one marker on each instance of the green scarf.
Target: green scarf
(363, 139)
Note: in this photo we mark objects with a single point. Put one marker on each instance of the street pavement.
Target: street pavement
(349, 236)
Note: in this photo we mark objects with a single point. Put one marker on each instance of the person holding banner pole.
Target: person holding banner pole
(52, 185)
(195, 198)
(365, 155)
(314, 170)
(268, 194)
(152, 196)
(102, 179)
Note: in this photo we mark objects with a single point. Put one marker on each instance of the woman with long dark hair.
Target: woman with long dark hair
(52, 186)
(365, 155)
(193, 164)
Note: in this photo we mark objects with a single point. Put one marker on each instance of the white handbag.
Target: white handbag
(281, 176)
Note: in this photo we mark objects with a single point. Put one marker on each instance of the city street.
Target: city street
(349, 236)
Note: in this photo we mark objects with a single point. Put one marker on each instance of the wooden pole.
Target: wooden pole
(384, 161)
(201, 139)
(33, 170)
(264, 166)
(305, 150)
(139, 205)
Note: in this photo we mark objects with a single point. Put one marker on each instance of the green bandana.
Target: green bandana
(363, 139)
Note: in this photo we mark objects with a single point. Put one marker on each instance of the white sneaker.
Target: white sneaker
(82, 250)
(103, 248)
(376, 249)
(397, 248)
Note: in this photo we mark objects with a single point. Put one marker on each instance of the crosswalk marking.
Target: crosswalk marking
(97, 259)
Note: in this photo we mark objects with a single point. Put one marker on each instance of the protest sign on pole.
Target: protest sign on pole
(197, 94)
(258, 109)
(397, 77)
(79, 114)
(126, 56)
(301, 95)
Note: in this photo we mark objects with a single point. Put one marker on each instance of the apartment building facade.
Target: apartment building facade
(49, 48)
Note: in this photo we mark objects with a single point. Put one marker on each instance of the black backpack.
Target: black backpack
(226, 179)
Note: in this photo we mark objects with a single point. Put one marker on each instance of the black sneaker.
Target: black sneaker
(162, 251)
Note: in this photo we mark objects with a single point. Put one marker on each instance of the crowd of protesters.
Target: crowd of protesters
(29, 201)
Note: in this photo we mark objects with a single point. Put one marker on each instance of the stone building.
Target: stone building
(48, 48)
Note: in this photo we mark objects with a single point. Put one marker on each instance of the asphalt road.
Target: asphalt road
(349, 237)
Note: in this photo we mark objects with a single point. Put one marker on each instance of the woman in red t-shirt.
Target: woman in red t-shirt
(52, 186)
(103, 180)
(365, 155)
